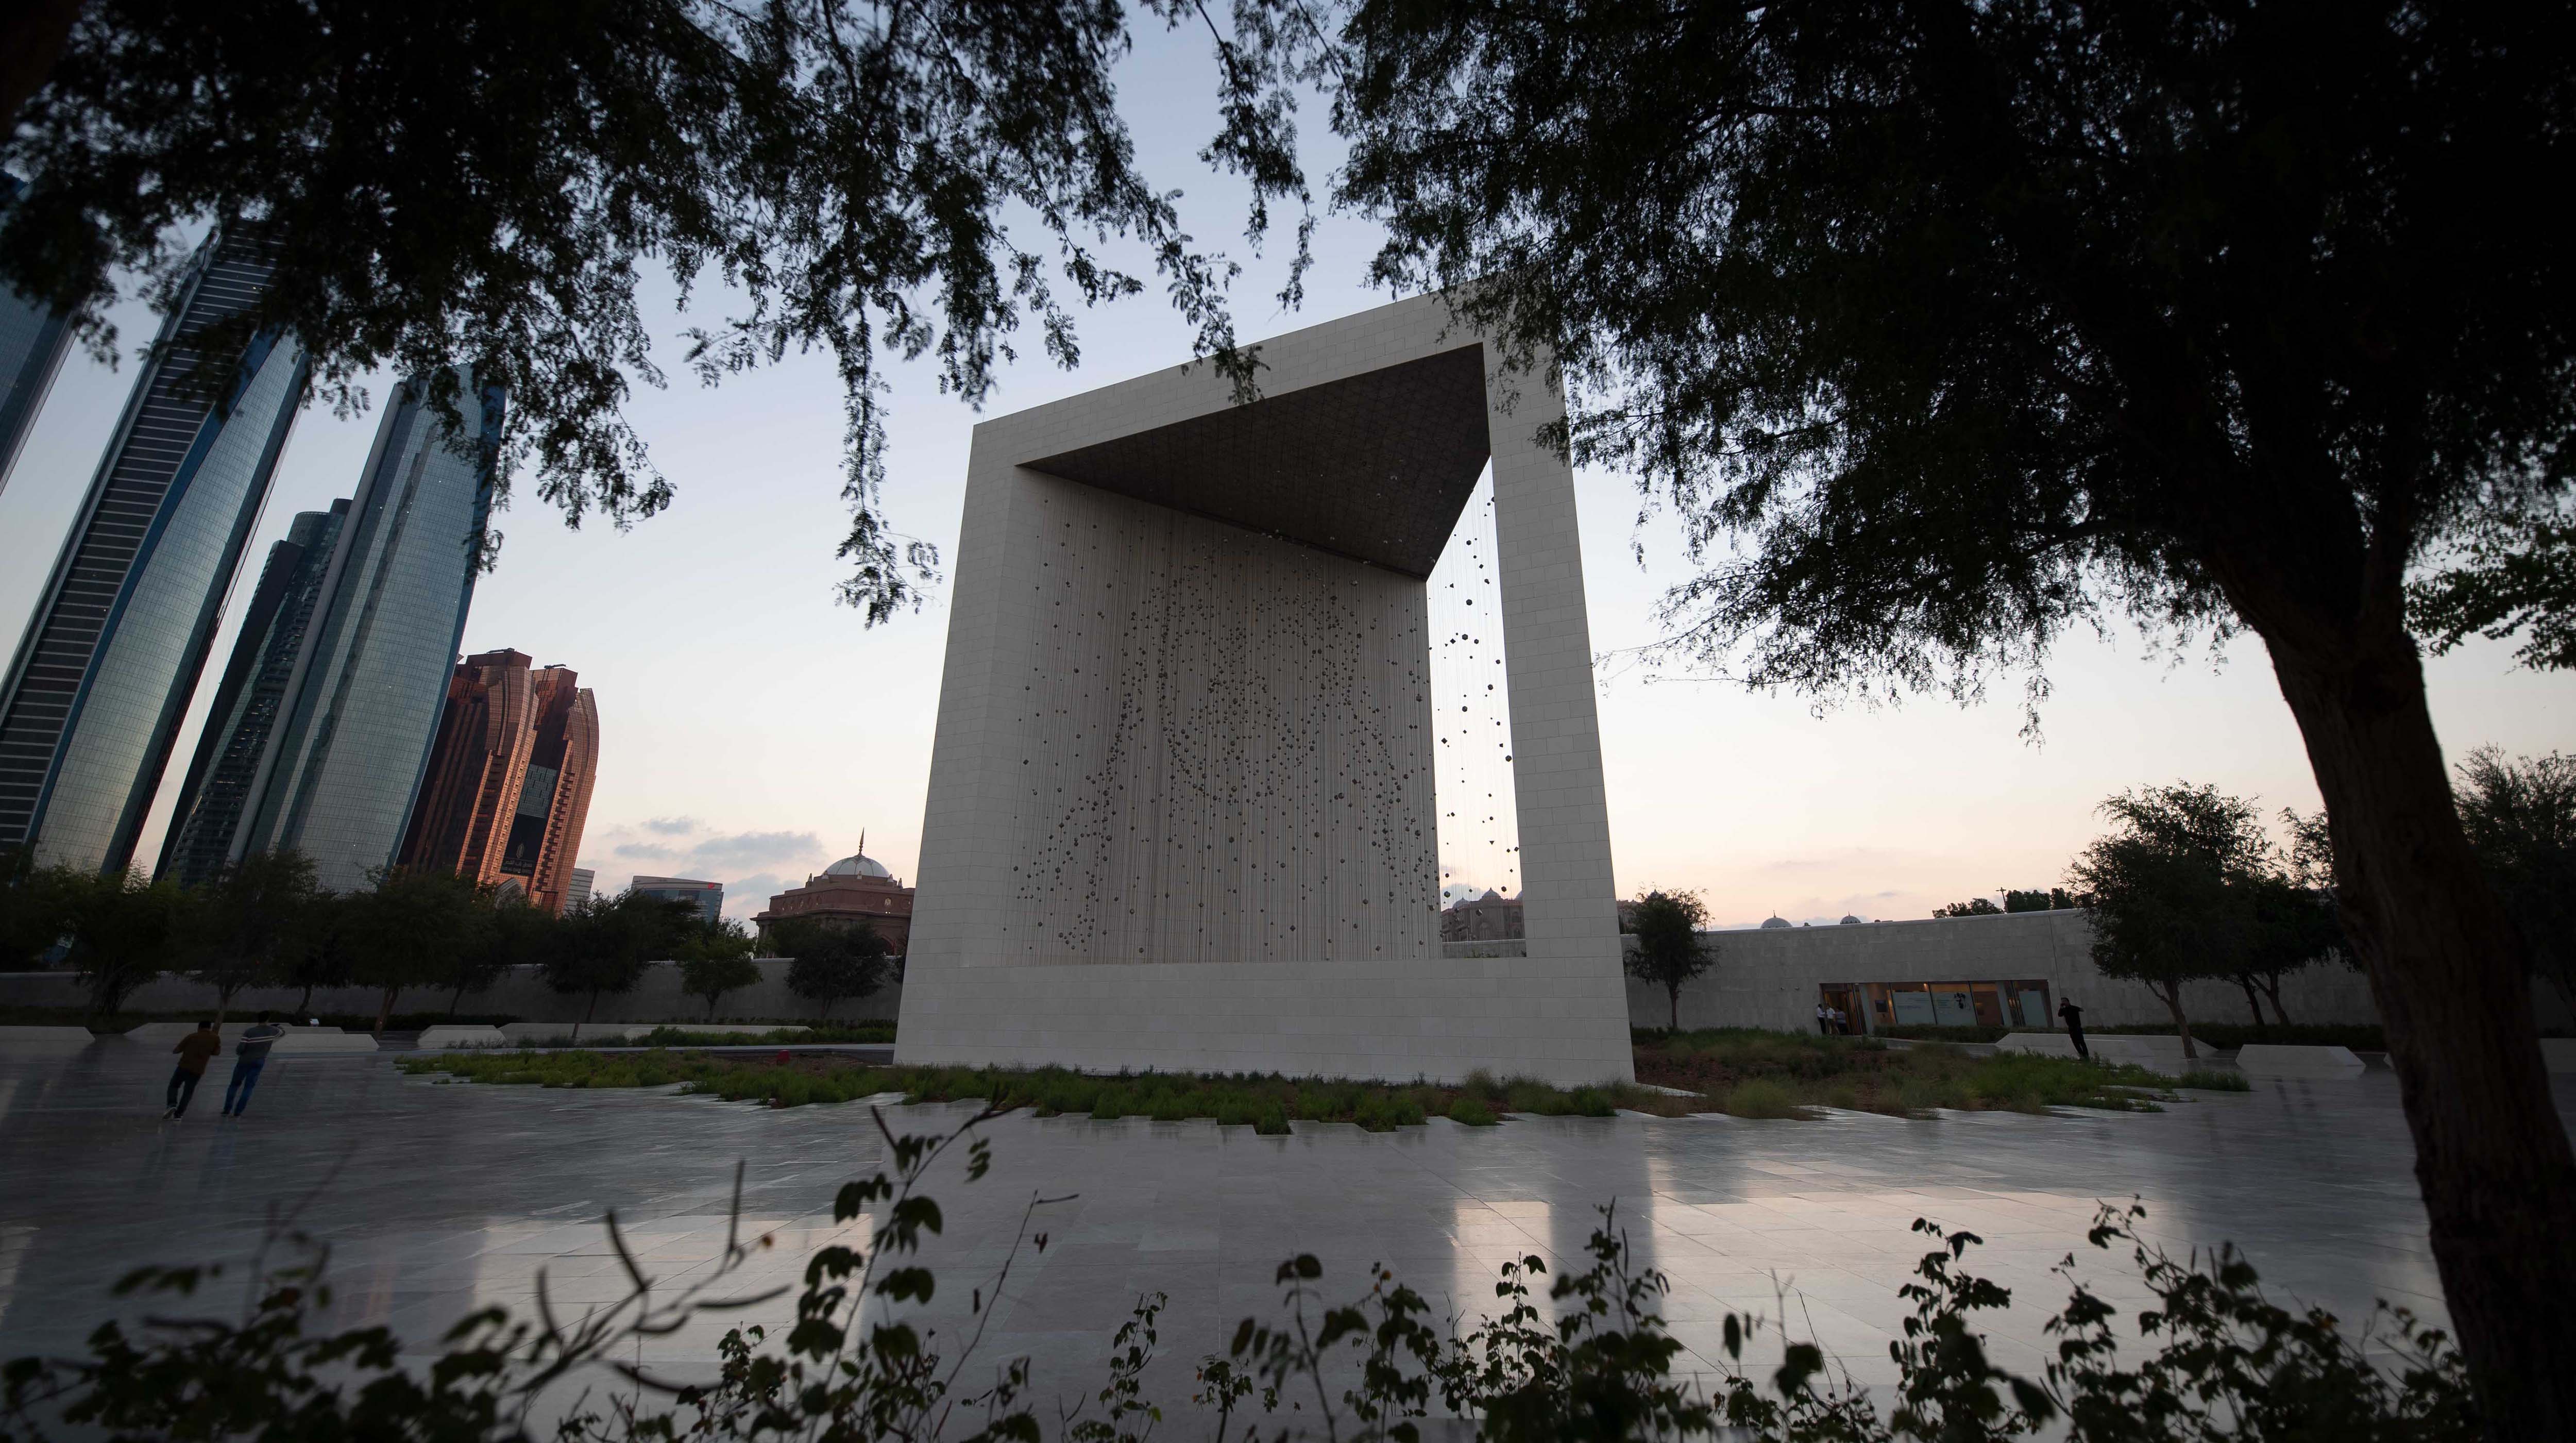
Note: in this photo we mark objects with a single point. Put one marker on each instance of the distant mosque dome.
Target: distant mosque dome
(858, 864)
(1771, 923)
(1849, 920)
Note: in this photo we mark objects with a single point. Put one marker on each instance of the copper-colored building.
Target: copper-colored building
(855, 889)
(509, 780)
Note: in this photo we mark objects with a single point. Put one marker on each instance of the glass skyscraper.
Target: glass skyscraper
(32, 342)
(234, 745)
(330, 767)
(93, 699)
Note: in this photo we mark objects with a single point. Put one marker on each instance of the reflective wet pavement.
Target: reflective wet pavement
(437, 1198)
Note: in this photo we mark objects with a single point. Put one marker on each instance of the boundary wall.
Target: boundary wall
(521, 993)
(1769, 978)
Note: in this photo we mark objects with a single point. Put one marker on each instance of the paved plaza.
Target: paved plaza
(437, 1198)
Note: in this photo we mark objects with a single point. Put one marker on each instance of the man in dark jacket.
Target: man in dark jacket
(2074, 1016)
(249, 1056)
(194, 1050)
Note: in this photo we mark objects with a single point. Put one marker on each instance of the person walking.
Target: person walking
(195, 1050)
(2074, 1016)
(250, 1054)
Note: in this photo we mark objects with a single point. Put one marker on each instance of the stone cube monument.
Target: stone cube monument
(1181, 807)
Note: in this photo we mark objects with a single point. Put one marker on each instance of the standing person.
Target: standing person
(1824, 1020)
(2074, 1016)
(249, 1056)
(194, 1051)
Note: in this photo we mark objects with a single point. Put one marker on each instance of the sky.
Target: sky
(752, 729)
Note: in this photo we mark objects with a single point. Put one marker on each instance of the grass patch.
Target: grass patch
(2208, 1080)
(1971, 1033)
(1745, 1072)
(1753, 1073)
(1267, 1104)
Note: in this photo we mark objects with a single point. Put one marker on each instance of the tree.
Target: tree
(2288, 927)
(321, 955)
(2050, 899)
(245, 918)
(2521, 820)
(1973, 907)
(1669, 951)
(511, 932)
(479, 184)
(123, 930)
(715, 958)
(1948, 327)
(407, 930)
(2168, 889)
(832, 962)
(34, 906)
(608, 944)
(2512, 579)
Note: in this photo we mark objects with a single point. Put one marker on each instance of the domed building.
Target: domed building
(855, 889)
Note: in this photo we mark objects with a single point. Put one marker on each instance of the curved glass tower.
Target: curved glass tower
(324, 753)
(233, 748)
(92, 702)
(33, 339)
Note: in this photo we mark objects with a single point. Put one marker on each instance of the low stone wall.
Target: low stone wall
(522, 992)
(1769, 979)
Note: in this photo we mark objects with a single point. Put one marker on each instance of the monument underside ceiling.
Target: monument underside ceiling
(1375, 467)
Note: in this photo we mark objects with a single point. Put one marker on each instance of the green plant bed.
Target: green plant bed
(2212, 1081)
(1267, 1104)
(1953, 1034)
(2359, 1038)
(1754, 1073)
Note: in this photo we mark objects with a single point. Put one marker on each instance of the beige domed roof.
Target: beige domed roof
(858, 864)
(1772, 923)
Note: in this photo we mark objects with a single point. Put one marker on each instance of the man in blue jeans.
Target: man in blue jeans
(250, 1054)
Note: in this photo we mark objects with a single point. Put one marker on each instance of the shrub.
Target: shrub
(2210, 1080)
(1472, 1113)
(1761, 1098)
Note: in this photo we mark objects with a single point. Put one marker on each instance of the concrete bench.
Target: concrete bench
(2273, 1059)
(44, 1039)
(311, 1040)
(167, 1034)
(2150, 1050)
(448, 1034)
(618, 1034)
(729, 1029)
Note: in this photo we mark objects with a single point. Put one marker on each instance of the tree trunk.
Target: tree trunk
(2447, 969)
(2171, 995)
(455, 1000)
(1676, 992)
(385, 1009)
(2272, 990)
(304, 1003)
(32, 36)
(2251, 1005)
